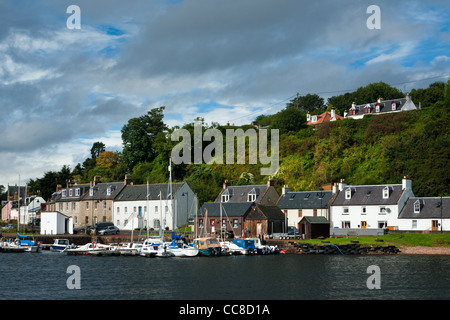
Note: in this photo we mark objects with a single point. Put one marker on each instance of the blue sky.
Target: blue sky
(61, 90)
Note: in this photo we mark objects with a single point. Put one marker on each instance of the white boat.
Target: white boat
(87, 249)
(232, 248)
(61, 245)
(127, 248)
(263, 249)
(179, 248)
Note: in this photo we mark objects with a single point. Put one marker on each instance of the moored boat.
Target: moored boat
(61, 245)
(179, 248)
(208, 246)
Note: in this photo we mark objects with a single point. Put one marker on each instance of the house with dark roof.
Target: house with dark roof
(265, 194)
(381, 107)
(67, 202)
(369, 206)
(239, 219)
(154, 205)
(297, 205)
(425, 214)
(96, 205)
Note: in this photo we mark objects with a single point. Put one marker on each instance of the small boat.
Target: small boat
(263, 249)
(179, 248)
(128, 248)
(247, 245)
(61, 245)
(29, 245)
(231, 248)
(86, 249)
(208, 246)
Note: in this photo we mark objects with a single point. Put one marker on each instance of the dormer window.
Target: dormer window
(225, 196)
(91, 191)
(251, 196)
(64, 193)
(386, 192)
(417, 206)
(314, 119)
(77, 192)
(393, 106)
(377, 108)
(70, 192)
(110, 190)
(348, 194)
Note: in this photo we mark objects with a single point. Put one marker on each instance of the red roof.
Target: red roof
(324, 117)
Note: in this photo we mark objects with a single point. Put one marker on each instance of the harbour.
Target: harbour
(44, 276)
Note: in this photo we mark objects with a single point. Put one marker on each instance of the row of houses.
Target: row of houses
(251, 210)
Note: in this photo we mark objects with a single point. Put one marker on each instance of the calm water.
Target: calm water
(44, 275)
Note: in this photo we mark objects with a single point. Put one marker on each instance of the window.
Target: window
(91, 192)
(77, 192)
(414, 224)
(377, 108)
(74, 205)
(251, 197)
(300, 213)
(225, 197)
(345, 210)
(393, 106)
(86, 220)
(224, 224)
(156, 209)
(95, 205)
(87, 205)
(345, 224)
(200, 223)
(70, 192)
(417, 206)
(118, 223)
(64, 193)
(382, 224)
(382, 210)
(363, 210)
(235, 223)
(348, 193)
(104, 205)
(386, 193)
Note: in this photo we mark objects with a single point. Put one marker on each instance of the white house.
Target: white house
(381, 107)
(142, 206)
(54, 222)
(369, 206)
(425, 214)
(297, 205)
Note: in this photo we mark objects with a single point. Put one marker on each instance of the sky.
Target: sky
(63, 88)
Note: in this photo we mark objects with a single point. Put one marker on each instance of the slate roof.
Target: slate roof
(324, 117)
(101, 191)
(430, 207)
(233, 209)
(139, 192)
(240, 193)
(271, 212)
(316, 220)
(60, 198)
(305, 200)
(402, 104)
(369, 195)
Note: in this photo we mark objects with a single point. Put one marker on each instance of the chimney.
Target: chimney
(334, 188)
(345, 114)
(58, 187)
(342, 185)
(285, 189)
(128, 180)
(353, 105)
(333, 113)
(406, 183)
(308, 117)
(226, 184)
(97, 180)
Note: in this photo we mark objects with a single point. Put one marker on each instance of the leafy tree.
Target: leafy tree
(141, 136)
(289, 120)
(309, 103)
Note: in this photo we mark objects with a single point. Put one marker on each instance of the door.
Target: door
(363, 224)
(258, 229)
(434, 225)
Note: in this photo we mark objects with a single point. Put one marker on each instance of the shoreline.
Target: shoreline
(422, 250)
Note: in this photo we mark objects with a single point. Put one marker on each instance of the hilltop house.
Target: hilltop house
(381, 107)
(425, 214)
(321, 118)
(297, 205)
(369, 206)
(142, 206)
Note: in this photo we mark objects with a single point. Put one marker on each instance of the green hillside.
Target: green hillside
(377, 149)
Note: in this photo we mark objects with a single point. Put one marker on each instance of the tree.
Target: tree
(289, 120)
(141, 136)
(107, 159)
(309, 103)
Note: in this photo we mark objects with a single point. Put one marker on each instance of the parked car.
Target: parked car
(102, 225)
(109, 230)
